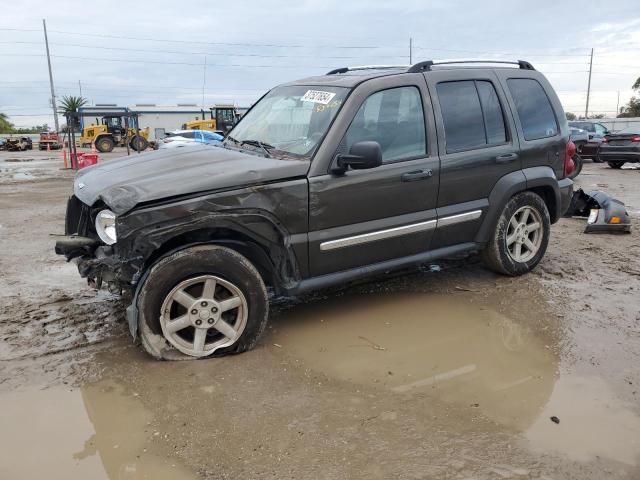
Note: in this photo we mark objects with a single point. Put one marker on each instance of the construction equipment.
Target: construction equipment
(115, 127)
(49, 141)
(223, 119)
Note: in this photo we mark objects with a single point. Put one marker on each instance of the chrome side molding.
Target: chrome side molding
(399, 231)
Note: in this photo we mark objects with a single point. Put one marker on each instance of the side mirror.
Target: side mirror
(362, 155)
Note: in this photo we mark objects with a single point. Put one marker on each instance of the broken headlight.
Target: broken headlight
(106, 226)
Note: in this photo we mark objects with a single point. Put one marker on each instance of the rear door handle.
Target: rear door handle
(417, 175)
(509, 157)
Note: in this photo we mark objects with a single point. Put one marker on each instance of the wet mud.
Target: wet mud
(447, 371)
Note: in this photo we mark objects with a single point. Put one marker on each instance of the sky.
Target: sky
(155, 52)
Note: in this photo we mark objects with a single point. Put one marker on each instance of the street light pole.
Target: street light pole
(53, 92)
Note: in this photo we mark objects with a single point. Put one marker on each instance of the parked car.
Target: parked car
(323, 181)
(596, 132)
(621, 147)
(180, 138)
(19, 144)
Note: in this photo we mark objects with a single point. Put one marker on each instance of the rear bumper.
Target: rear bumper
(619, 155)
(565, 186)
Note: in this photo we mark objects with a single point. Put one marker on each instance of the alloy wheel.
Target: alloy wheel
(203, 314)
(524, 234)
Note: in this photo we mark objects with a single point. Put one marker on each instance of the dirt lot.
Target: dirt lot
(444, 372)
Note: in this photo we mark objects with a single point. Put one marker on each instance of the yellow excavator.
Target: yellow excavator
(223, 119)
(115, 129)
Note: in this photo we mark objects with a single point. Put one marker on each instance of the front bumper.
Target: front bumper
(96, 262)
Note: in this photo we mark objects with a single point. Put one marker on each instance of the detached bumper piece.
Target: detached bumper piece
(604, 214)
(72, 246)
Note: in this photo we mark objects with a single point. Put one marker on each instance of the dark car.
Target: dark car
(325, 180)
(621, 147)
(596, 132)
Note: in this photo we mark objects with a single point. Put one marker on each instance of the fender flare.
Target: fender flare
(511, 184)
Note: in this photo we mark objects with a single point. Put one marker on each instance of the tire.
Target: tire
(577, 162)
(139, 143)
(616, 165)
(500, 258)
(105, 144)
(157, 307)
(597, 159)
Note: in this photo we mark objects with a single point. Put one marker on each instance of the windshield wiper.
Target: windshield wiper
(257, 143)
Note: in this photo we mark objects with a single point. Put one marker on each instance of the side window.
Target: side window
(534, 108)
(600, 130)
(472, 115)
(492, 112)
(395, 119)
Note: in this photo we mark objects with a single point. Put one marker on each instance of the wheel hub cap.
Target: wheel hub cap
(203, 314)
(524, 234)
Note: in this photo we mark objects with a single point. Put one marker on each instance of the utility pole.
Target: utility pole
(53, 92)
(586, 110)
(80, 87)
(410, 51)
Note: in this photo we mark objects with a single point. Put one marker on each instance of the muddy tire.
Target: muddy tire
(105, 144)
(139, 143)
(616, 165)
(215, 293)
(521, 236)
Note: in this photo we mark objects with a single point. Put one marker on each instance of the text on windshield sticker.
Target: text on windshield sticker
(318, 96)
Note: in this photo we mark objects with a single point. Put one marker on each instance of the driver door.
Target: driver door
(361, 217)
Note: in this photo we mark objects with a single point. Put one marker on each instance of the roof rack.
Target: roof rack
(427, 64)
(366, 67)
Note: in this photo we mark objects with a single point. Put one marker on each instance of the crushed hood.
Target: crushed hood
(126, 182)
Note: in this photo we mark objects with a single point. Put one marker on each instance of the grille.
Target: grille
(77, 218)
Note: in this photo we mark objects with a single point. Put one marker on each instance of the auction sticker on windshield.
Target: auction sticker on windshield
(318, 96)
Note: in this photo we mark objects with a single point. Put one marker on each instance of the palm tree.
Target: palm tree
(71, 104)
(5, 125)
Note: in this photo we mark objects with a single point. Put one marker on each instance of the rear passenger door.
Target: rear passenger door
(477, 147)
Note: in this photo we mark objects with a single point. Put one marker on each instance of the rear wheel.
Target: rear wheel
(616, 165)
(201, 301)
(139, 143)
(521, 236)
(105, 144)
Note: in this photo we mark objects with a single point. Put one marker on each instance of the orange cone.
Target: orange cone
(64, 157)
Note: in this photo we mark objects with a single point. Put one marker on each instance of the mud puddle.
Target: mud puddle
(98, 432)
(426, 344)
(449, 348)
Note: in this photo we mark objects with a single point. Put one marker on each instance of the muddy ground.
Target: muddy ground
(445, 372)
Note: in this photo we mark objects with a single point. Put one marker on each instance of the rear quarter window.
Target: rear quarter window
(534, 109)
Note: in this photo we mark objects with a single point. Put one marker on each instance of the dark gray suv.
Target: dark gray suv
(325, 180)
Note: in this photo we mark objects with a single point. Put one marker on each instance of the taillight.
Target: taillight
(635, 138)
(570, 151)
(605, 139)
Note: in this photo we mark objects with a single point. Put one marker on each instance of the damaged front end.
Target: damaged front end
(604, 214)
(97, 262)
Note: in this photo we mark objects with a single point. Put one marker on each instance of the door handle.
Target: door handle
(417, 175)
(509, 157)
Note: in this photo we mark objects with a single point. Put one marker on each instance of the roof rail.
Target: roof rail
(365, 67)
(426, 65)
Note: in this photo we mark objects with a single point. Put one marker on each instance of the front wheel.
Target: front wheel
(201, 301)
(616, 165)
(139, 143)
(521, 236)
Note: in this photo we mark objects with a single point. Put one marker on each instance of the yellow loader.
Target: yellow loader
(109, 132)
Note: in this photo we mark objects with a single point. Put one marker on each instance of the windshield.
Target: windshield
(291, 119)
